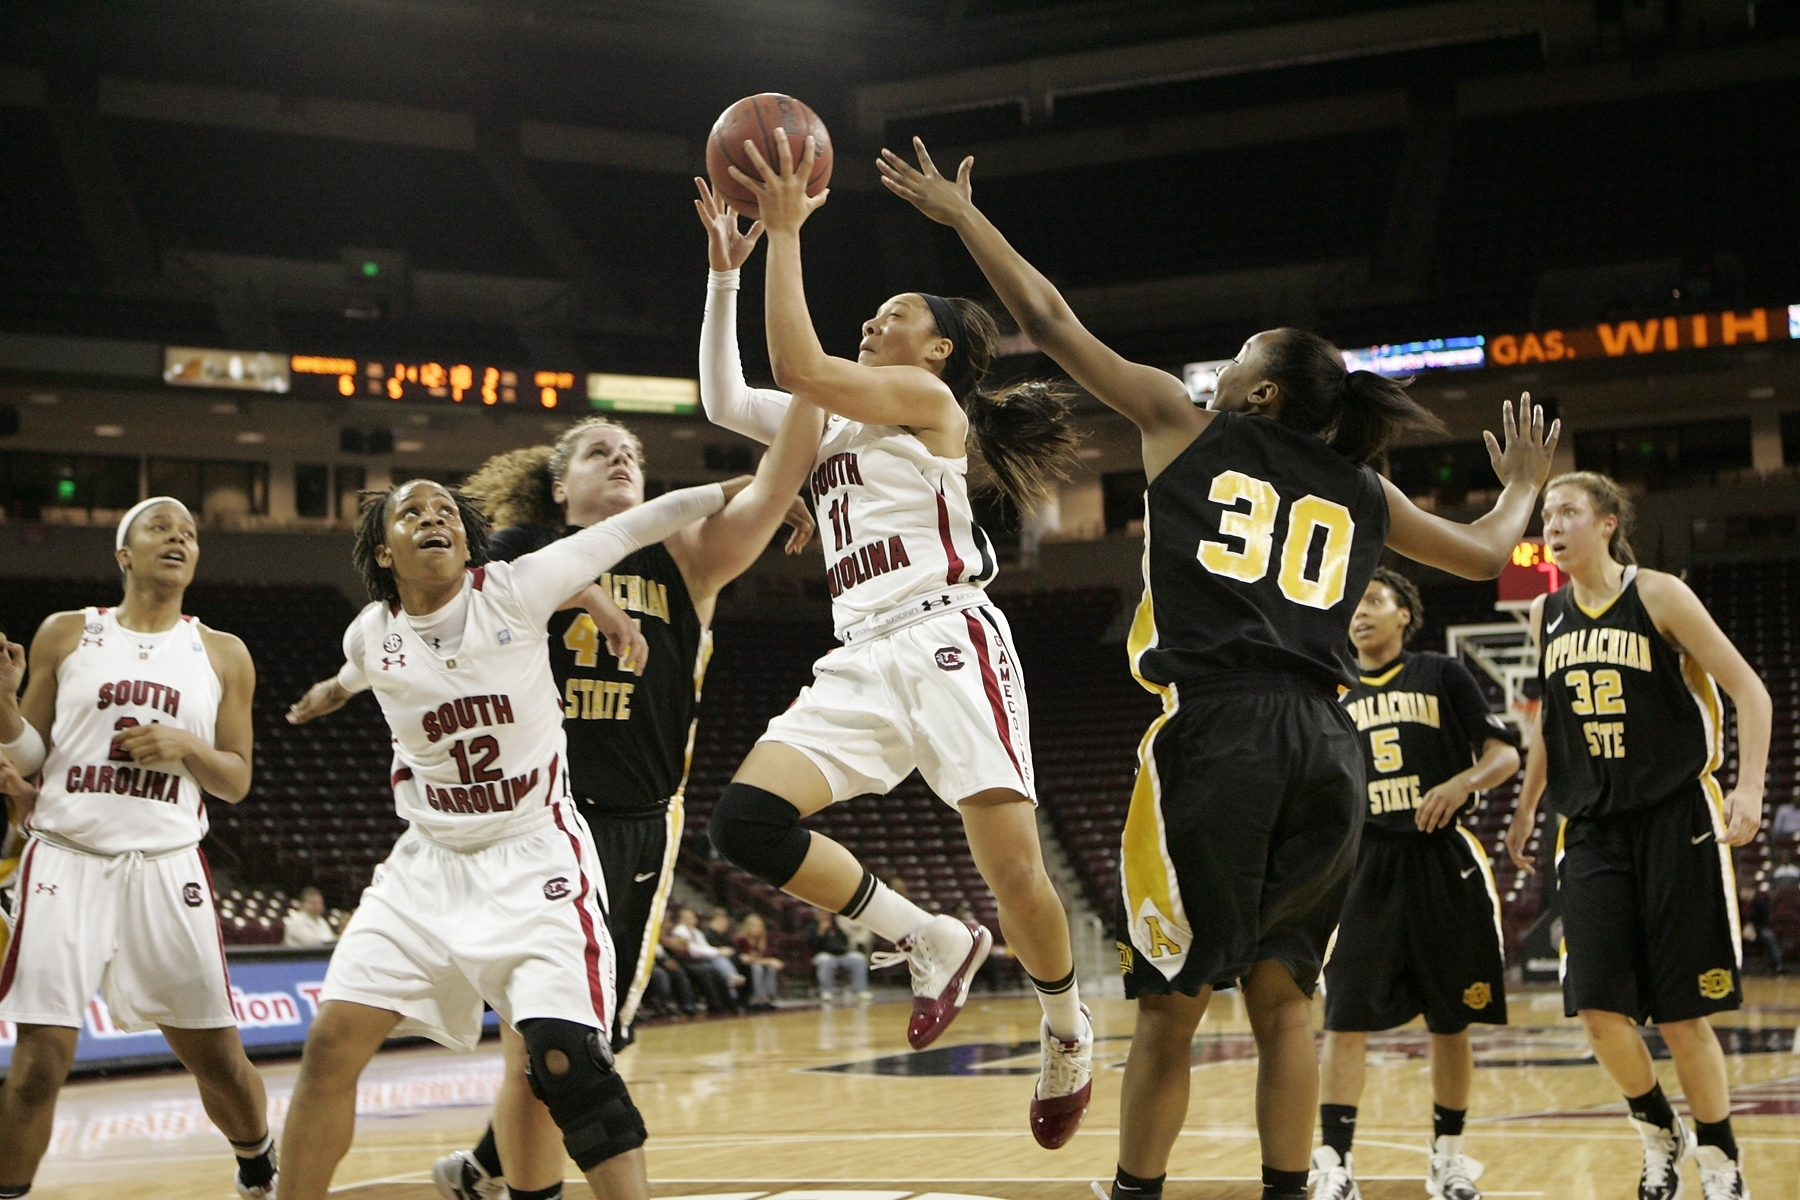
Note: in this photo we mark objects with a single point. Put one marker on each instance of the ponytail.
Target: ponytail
(1022, 432)
(1609, 500)
(1357, 412)
(514, 489)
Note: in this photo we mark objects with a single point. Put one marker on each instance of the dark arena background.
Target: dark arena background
(263, 255)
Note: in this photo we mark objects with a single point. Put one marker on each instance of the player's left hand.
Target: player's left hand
(800, 526)
(12, 666)
(941, 199)
(781, 197)
(1441, 805)
(1743, 815)
(156, 743)
(21, 789)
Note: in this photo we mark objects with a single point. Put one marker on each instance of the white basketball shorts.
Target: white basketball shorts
(140, 931)
(944, 695)
(520, 924)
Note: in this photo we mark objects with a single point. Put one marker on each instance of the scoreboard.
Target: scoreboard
(457, 382)
(1530, 572)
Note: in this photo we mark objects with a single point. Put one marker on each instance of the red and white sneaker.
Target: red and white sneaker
(943, 957)
(1065, 1084)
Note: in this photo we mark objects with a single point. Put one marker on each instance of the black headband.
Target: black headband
(949, 321)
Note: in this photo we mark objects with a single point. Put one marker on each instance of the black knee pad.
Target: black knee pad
(586, 1097)
(760, 832)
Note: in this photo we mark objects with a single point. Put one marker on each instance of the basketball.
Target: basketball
(759, 119)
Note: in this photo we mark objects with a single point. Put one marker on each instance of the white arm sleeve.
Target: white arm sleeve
(545, 578)
(350, 676)
(26, 754)
(731, 403)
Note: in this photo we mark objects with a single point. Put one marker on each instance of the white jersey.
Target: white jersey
(479, 754)
(93, 796)
(894, 521)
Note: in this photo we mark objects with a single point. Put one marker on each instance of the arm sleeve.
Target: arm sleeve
(1471, 708)
(26, 755)
(545, 578)
(731, 403)
(350, 676)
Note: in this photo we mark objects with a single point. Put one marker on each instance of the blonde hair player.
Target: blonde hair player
(1237, 853)
(630, 725)
(1625, 744)
(927, 676)
(131, 714)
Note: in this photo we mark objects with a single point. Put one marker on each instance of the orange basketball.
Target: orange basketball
(759, 119)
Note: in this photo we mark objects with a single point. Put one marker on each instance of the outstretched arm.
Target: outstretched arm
(1480, 549)
(904, 395)
(730, 402)
(1156, 401)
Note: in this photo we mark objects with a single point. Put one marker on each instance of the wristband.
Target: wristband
(27, 753)
(723, 279)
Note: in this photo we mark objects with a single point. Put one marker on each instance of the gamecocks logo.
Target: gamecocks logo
(949, 658)
(191, 895)
(556, 889)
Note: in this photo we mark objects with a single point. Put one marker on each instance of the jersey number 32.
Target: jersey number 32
(1251, 508)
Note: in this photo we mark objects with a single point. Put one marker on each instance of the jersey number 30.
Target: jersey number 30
(1254, 526)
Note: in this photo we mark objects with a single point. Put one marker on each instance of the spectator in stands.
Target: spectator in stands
(753, 956)
(712, 977)
(1753, 910)
(1787, 820)
(720, 935)
(669, 991)
(831, 950)
(1787, 872)
(308, 925)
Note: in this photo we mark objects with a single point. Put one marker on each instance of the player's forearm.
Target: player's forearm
(1755, 716)
(795, 356)
(1032, 299)
(1497, 764)
(1496, 532)
(730, 402)
(223, 773)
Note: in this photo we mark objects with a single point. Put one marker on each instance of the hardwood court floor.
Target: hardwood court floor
(830, 1105)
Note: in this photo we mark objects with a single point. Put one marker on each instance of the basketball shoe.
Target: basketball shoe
(1330, 1177)
(459, 1177)
(258, 1191)
(1065, 1084)
(1452, 1174)
(1720, 1177)
(1664, 1150)
(943, 957)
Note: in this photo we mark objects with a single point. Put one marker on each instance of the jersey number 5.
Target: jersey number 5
(1384, 748)
(1254, 526)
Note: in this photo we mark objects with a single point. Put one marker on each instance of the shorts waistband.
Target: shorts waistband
(951, 599)
(1254, 681)
(51, 839)
(627, 812)
(525, 827)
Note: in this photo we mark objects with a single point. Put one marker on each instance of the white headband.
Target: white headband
(131, 514)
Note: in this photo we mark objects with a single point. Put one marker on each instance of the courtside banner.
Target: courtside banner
(275, 999)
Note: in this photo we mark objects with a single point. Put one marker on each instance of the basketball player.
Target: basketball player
(493, 893)
(131, 714)
(1263, 525)
(630, 729)
(1632, 731)
(1421, 927)
(926, 677)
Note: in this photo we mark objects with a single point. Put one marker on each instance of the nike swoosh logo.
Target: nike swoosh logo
(1551, 628)
(1695, 841)
(644, 876)
(1468, 872)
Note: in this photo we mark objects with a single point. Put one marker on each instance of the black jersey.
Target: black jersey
(1259, 542)
(630, 737)
(1629, 721)
(1422, 719)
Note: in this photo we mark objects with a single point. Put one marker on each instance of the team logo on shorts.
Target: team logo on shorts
(391, 643)
(190, 895)
(949, 658)
(556, 889)
(1716, 984)
(1478, 996)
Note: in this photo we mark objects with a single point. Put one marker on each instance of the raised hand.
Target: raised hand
(1529, 448)
(727, 246)
(781, 190)
(12, 666)
(943, 200)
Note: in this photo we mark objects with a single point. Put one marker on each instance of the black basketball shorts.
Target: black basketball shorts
(1420, 934)
(1649, 910)
(637, 857)
(1241, 836)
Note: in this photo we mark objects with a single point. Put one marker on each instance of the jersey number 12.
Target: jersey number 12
(1254, 526)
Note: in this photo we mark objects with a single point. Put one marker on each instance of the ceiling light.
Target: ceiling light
(109, 431)
(225, 408)
(251, 437)
(409, 447)
(45, 398)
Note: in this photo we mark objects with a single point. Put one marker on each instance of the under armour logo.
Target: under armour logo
(399, 660)
(93, 641)
(44, 889)
(940, 602)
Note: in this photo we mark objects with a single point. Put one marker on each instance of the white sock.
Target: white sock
(878, 907)
(1061, 1002)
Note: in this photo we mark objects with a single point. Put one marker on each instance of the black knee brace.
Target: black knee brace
(571, 1071)
(760, 832)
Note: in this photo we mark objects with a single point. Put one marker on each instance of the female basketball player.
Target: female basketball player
(926, 677)
(630, 729)
(493, 893)
(1260, 537)
(1632, 731)
(132, 712)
